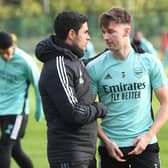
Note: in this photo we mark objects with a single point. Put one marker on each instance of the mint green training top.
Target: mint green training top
(124, 86)
(15, 77)
(147, 46)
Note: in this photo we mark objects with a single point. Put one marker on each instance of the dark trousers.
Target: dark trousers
(20, 157)
(80, 164)
(148, 159)
(10, 141)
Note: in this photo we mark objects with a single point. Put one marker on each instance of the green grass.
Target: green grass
(162, 138)
(34, 142)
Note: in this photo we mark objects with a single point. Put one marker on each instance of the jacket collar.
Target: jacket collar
(69, 51)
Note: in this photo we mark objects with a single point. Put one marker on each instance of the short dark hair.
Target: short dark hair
(68, 20)
(5, 40)
(118, 15)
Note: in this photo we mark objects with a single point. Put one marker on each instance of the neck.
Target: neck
(74, 49)
(122, 53)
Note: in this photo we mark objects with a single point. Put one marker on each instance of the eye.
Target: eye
(111, 31)
(103, 32)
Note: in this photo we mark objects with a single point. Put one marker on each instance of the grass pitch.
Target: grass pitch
(34, 142)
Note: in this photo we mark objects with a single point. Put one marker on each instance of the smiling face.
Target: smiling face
(116, 35)
(7, 54)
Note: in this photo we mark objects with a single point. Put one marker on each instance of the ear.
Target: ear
(71, 34)
(127, 30)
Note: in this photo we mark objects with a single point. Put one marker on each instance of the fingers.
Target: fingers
(118, 157)
(133, 152)
(117, 154)
(114, 151)
(140, 145)
(139, 148)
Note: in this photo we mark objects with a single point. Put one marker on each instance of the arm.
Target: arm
(162, 116)
(33, 75)
(58, 83)
(112, 147)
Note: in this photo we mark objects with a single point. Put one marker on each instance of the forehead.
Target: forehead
(114, 26)
(84, 27)
(111, 26)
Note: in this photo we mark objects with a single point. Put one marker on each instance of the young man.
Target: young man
(66, 95)
(124, 80)
(17, 71)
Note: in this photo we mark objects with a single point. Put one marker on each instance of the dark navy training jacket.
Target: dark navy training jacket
(67, 102)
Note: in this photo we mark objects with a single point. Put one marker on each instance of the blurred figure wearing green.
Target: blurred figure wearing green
(165, 58)
(141, 42)
(17, 71)
(90, 51)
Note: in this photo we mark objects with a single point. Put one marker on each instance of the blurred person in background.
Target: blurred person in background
(141, 42)
(90, 51)
(66, 94)
(17, 71)
(124, 80)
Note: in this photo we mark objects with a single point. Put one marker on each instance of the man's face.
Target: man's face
(115, 34)
(6, 54)
(82, 37)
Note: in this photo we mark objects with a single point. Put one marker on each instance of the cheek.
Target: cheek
(82, 42)
(113, 36)
(78, 43)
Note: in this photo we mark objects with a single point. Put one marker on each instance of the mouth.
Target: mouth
(111, 45)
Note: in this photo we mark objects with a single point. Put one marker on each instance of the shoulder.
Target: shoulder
(99, 60)
(22, 54)
(149, 57)
(97, 66)
(149, 61)
(64, 63)
(24, 57)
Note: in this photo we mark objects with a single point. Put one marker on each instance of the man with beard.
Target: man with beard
(66, 94)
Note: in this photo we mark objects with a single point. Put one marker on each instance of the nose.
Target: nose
(105, 36)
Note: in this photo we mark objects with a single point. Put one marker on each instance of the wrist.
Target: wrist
(150, 135)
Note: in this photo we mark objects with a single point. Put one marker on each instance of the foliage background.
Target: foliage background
(34, 18)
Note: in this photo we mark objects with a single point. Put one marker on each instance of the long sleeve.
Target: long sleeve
(33, 75)
(59, 88)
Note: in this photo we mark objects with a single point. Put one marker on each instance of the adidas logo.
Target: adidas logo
(108, 76)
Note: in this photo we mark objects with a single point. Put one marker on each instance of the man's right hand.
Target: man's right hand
(114, 151)
(101, 109)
